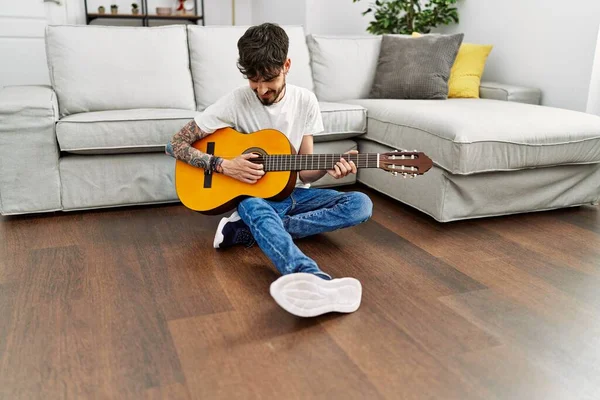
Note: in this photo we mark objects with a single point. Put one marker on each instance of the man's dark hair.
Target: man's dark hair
(262, 51)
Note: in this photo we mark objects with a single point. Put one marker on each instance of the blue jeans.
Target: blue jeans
(305, 212)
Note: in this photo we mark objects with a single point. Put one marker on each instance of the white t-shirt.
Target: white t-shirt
(297, 114)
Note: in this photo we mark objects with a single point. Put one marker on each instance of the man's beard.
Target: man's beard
(272, 96)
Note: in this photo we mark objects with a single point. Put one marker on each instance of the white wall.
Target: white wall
(547, 44)
(593, 105)
(334, 17)
(282, 12)
(22, 50)
(218, 12)
(317, 16)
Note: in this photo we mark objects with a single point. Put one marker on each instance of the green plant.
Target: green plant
(114, 6)
(408, 16)
(134, 5)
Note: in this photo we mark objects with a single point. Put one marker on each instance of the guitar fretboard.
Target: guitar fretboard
(300, 162)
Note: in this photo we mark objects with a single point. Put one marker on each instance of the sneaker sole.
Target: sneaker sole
(219, 235)
(307, 295)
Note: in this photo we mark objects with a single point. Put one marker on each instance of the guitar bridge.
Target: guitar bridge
(210, 149)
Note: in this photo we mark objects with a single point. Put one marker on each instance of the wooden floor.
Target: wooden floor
(134, 303)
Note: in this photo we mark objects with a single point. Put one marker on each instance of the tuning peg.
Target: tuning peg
(404, 175)
(412, 176)
(394, 173)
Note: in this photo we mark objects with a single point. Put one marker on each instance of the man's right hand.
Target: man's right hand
(242, 169)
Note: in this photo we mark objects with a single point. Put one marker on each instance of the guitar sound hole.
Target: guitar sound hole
(258, 151)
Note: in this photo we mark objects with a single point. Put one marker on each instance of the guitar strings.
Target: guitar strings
(282, 157)
(297, 160)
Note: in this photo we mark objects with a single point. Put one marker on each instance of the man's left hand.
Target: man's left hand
(343, 167)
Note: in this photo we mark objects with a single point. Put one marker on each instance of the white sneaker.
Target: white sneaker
(307, 295)
(219, 234)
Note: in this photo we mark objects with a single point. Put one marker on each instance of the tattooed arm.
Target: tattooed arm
(180, 147)
(239, 168)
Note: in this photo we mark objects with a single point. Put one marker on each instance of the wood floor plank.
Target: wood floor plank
(564, 243)
(507, 373)
(543, 342)
(20, 234)
(396, 279)
(181, 280)
(13, 257)
(578, 284)
(177, 391)
(530, 291)
(137, 351)
(398, 366)
(8, 298)
(389, 257)
(586, 217)
(49, 346)
(497, 238)
(235, 355)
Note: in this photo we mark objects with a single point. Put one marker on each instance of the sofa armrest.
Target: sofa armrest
(500, 91)
(29, 176)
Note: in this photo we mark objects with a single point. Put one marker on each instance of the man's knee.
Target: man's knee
(250, 205)
(362, 207)
(252, 202)
(254, 207)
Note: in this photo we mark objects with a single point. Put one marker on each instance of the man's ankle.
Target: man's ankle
(323, 275)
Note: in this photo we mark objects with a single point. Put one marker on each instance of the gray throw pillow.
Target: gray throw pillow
(415, 67)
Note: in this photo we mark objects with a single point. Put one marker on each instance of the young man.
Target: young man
(268, 102)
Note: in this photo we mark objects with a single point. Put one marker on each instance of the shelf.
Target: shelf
(176, 16)
(145, 16)
(149, 16)
(116, 15)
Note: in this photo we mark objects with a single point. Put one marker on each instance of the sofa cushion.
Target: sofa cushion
(343, 66)
(415, 68)
(341, 121)
(125, 131)
(148, 130)
(465, 75)
(466, 136)
(214, 55)
(98, 68)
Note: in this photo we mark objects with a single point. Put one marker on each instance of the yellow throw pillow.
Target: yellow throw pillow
(465, 75)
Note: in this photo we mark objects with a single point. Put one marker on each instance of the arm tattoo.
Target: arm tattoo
(181, 148)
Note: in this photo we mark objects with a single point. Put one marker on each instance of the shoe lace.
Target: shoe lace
(245, 237)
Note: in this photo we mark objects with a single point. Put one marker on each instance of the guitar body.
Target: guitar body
(217, 193)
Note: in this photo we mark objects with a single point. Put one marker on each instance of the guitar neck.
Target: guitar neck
(300, 162)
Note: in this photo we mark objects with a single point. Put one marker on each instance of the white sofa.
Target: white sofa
(95, 138)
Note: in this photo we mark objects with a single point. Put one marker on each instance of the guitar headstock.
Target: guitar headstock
(404, 162)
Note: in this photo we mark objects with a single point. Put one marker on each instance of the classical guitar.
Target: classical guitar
(214, 193)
